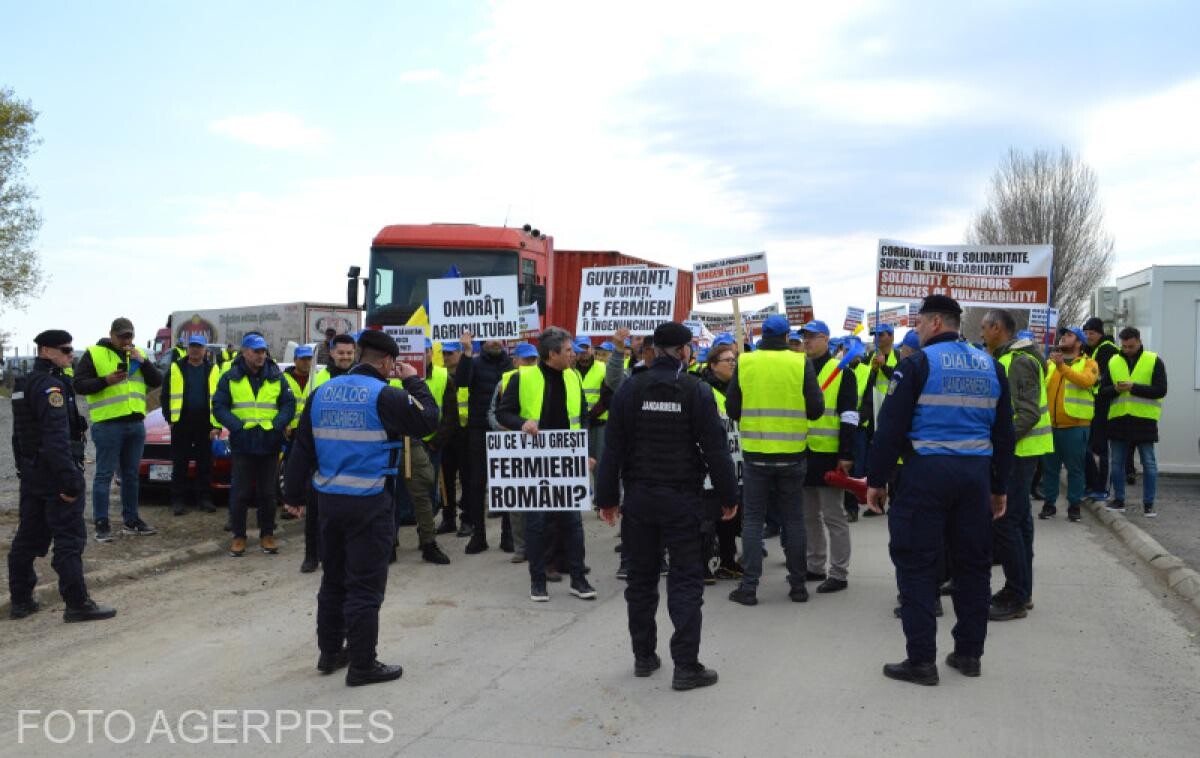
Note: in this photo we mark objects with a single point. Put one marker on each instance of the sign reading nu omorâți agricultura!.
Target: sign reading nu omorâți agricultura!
(1008, 276)
(486, 306)
(547, 471)
(638, 298)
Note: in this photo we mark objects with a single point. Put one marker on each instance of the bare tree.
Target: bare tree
(20, 269)
(1044, 198)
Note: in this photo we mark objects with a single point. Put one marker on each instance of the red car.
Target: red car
(154, 470)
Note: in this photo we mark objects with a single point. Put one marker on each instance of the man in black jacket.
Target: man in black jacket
(480, 374)
(187, 409)
(664, 433)
(1101, 349)
(48, 439)
(1133, 388)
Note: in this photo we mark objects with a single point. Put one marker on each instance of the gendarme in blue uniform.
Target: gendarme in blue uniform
(352, 444)
(949, 415)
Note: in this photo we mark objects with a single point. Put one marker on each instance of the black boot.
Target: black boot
(917, 673)
(309, 565)
(965, 664)
(89, 611)
(375, 673)
(478, 543)
(21, 609)
(431, 553)
(693, 676)
(331, 662)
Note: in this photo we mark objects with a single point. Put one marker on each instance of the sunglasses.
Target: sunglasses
(126, 335)
(68, 350)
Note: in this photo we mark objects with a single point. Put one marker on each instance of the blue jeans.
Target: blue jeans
(1014, 530)
(118, 444)
(767, 487)
(1120, 449)
(1070, 449)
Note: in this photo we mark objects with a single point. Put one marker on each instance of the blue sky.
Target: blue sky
(203, 155)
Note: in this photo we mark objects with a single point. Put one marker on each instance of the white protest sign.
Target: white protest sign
(1009, 276)
(798, 303)
(543, 472)
(486, 306)
(897, 316)
(411, 340)
(530, 320)
(696, 327)
(727, 278)
(637, 298)
(854, 317)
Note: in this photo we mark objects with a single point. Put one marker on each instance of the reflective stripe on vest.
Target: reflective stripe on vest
(255, 410)
(175, 400)
(592, 384)
(300, 394)
(533, 389)
(1040, 439)
(823, 433)
(463, 408)
(773, 409)
(1078, 402)
(957, 406)
(1125, 403)
(116, 400)
(351, 442)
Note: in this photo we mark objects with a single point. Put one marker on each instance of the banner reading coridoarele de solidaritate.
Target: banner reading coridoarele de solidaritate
(1012, 276)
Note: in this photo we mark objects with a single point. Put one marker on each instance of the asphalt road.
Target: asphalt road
(1105, 665)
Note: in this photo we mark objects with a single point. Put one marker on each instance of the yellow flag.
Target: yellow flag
(421, 318)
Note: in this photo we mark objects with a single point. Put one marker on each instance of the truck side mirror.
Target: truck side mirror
(352, 293)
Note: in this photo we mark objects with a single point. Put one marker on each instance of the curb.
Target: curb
(46, 593)
(1171, 571)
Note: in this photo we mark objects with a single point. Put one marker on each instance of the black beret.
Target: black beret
(672, 334)
(52, 338)
(1093, 324)
(940, 304)
(381, 341)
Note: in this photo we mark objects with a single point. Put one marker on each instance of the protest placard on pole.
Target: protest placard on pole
(854, 317)
(798, 303)
(897, 316)
(531, 322)
(547, 471)
(411, 340)
(486, 306)
(729, 278)
(755, 319)
(1006, 276)
(638, 298)
(734, 438)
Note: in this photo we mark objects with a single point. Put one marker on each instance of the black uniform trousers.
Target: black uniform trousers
(654, 517)
(254, 477)
(356, 542)
(943, 504)
(190, 442)
(46, 519)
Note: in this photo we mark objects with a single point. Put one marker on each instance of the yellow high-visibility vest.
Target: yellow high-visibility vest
(533, 388)
(773, 410)
(1126, 404)
(1040, 439)
(116, 400)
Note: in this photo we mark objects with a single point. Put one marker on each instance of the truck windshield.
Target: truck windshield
(398, 276)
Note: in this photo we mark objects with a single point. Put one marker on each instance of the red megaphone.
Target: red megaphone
(857, 487)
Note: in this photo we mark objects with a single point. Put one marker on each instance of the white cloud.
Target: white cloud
(279, 131)
(421, 75)
(1145, 152)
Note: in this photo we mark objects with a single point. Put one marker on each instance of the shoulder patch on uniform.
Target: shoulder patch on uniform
(896, 377)
(55, 398)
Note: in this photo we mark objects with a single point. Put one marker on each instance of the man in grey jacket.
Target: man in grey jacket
(1031, 421)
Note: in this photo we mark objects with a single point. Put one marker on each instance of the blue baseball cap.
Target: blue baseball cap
(628, 342)
(702, 354)
(1076, 331)
(724, 338)
(428, 344)
(583, 343)
(304, 351)
(912, 340)
(525, 350)
(816, 327)
(775, 326)
(254, 342)
(197, 339)
(606, 345)
(884, 329)
(451, 347)
(836, 342)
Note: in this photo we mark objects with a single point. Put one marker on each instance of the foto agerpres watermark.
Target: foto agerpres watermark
(214, 727)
